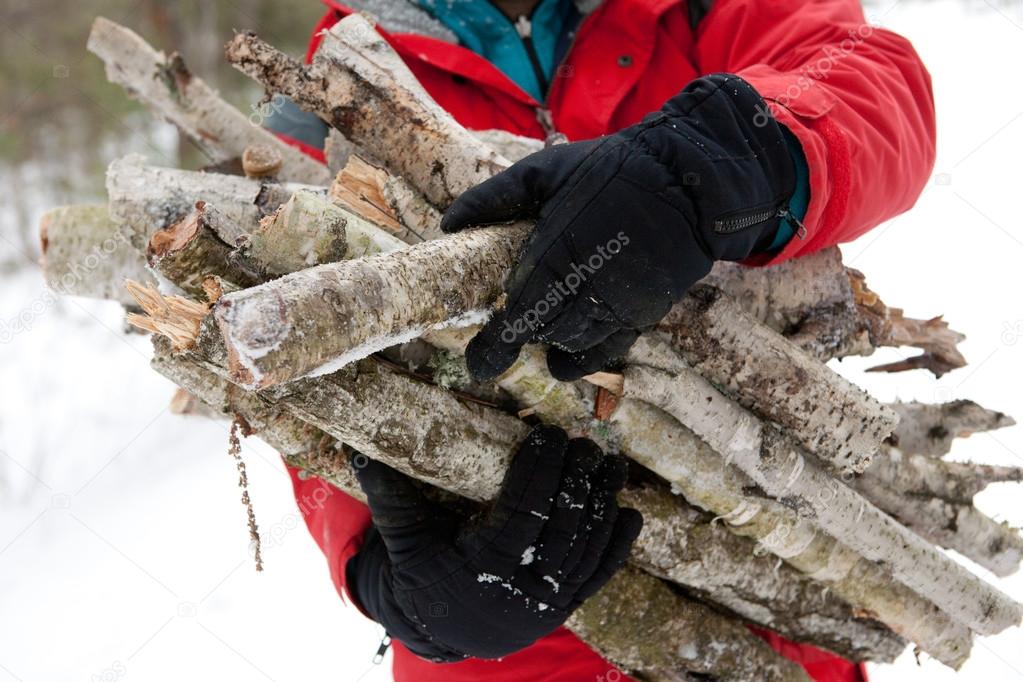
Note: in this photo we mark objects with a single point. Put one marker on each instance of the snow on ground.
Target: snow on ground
(123, 548)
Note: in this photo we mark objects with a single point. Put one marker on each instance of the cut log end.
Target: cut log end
(359, 187)
(261, 160)
(176, 236)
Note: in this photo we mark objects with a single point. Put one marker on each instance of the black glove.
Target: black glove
(449, 590)
(628, 222)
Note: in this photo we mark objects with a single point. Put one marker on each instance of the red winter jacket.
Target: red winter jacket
(857, 98)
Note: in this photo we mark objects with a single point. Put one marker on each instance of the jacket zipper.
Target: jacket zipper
(524, 27)
(739, 223)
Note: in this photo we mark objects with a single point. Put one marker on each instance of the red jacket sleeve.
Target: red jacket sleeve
(336, 520)
(856, 96)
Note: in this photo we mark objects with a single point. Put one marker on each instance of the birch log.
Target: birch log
(936, 636)
(997, 547)
(925, 477)
(930, 429)
(85, 253)
(354, 55)
(675, 634)
(305, 231)
(808, 299)
(778, 467)
(825, 413)
(166, 86)
(361, 87)
(774, 597)
(317, 320)
(145, 199)
(191, 250)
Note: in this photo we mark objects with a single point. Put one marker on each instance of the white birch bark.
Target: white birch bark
(85, 253)
(772, 596)
(997, 547)
(781, 470)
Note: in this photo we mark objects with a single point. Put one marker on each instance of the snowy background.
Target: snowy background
(123, 548)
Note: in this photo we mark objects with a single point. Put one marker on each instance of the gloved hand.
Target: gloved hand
(449, 590)
(628, 222)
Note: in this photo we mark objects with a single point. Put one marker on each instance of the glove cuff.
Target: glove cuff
(370, 585)
(733, 163)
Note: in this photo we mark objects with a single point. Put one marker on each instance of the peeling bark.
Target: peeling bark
(889, 327)
(166, 86)
(385, 200)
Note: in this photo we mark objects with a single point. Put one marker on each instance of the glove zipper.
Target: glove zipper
(741, 222)
(385, 644)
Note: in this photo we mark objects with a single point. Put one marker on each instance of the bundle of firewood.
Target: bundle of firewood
(320, 308)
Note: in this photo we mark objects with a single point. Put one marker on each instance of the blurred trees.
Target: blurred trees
(60, 121)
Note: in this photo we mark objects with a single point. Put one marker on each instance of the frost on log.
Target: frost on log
(324, 311)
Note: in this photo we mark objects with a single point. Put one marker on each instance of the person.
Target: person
(698, 131)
